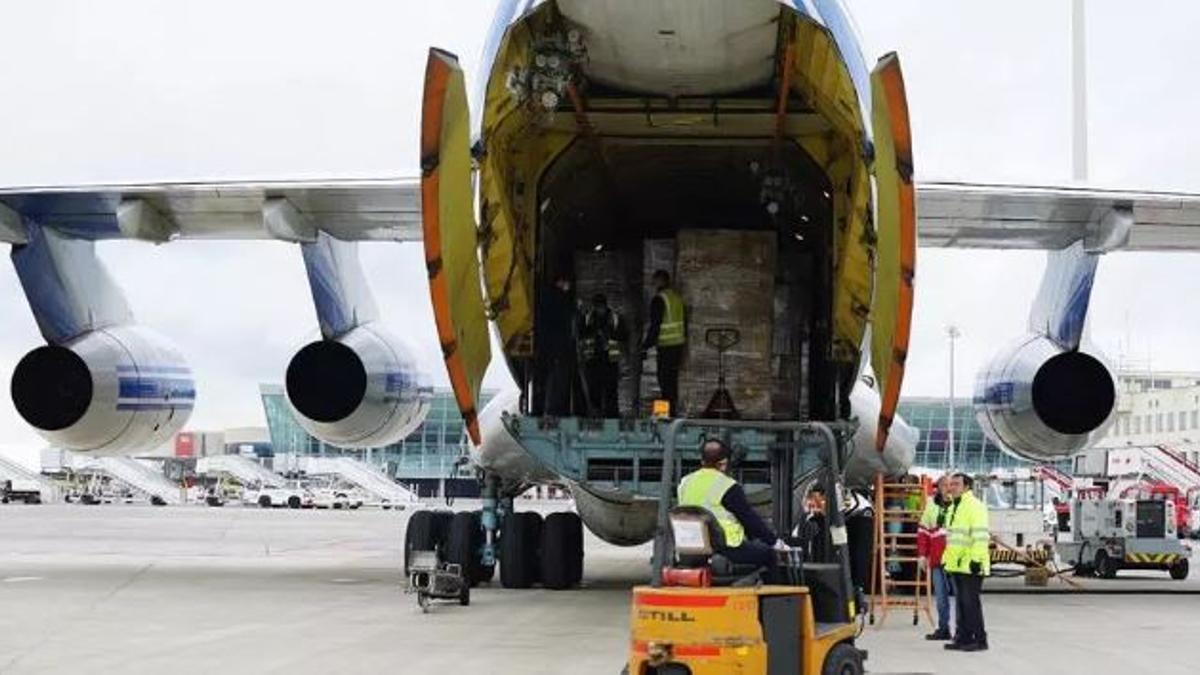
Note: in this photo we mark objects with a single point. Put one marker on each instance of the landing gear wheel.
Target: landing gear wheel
(843, 659)
(520, 537)
(1106, 565)
(562, 551)
(426, 531)
(1179, 571)
(464, 541)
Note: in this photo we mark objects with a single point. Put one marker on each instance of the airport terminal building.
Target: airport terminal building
(423, 459)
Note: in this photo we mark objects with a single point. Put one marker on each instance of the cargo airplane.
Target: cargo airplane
(603, 125)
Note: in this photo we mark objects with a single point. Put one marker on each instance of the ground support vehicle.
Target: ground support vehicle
(1112, 534)
(432, 579)
(702, 614)
(20, 491)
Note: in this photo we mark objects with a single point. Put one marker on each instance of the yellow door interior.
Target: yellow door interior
(896, 225)
(450, 233)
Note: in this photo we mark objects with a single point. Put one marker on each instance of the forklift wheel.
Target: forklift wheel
(843, 659)
(464, 598)
(1179, 571)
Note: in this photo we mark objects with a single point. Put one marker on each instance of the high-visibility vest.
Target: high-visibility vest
(968, 537)
(705, 488)
(612, 345)
(671, 332)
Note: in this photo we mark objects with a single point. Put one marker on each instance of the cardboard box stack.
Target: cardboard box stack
(727, 279)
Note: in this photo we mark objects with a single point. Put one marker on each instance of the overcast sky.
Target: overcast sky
(142, 90)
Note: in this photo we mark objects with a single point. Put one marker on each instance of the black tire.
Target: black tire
(1179, 571)
(562, 551)
(464, 541)
(293, 502)
(426, 531)
(843, 659)
(1106, 565)
(264, 501)
(464, 598)
(520, 537)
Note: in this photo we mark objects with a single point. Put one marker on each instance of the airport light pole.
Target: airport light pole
(1079, 101)
(953, 333)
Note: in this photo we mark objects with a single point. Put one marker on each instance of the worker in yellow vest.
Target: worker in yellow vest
(967, 560)
(667, 335)
(748, 540)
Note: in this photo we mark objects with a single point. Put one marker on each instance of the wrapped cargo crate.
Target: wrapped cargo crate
(727, 279)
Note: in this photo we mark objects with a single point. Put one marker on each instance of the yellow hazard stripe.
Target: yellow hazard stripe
(1152, 558)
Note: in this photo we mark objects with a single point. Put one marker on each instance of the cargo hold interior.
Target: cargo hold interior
(744, 227)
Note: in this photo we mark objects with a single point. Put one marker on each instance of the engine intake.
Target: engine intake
(110, 391)
(1043, 403)
(361, 390)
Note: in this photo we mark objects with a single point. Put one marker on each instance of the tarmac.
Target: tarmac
(140, 589)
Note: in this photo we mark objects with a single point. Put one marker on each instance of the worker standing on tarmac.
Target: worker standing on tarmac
(931, 544)
(967, 561)
(748, 540)
(667, 334)
(602, 338)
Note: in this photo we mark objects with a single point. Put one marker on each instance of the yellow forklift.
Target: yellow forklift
(702, 614)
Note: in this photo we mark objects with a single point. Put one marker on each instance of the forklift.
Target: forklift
(702, 614)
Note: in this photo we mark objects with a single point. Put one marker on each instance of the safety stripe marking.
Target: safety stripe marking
(665, 600)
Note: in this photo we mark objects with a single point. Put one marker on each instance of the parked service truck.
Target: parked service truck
(20, 490)
(1107, 535)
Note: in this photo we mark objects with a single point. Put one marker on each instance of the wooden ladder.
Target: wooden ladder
(898, 509)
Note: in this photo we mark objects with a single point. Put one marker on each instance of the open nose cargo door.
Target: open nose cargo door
(450, 233)
(896, 227)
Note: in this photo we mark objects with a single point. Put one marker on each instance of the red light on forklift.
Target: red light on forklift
(694, 578)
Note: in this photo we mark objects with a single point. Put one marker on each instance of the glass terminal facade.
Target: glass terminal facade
(429, 452)
(973, 451)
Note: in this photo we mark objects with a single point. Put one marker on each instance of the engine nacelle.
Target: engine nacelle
(361, 390)
(1043, 403)
(111, 391)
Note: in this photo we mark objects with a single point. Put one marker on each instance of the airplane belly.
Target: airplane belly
(500, 453)
(682, 47)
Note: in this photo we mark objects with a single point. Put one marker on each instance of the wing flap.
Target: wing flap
(964, 215)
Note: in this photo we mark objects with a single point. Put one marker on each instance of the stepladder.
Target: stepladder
(898, 582)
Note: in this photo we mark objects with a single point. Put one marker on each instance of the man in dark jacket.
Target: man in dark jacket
(554, 342)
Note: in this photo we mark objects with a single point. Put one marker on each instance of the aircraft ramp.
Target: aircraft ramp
(138, 476)
(363, 475)
(245, 470)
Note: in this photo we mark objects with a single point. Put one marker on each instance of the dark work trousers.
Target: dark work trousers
(668, 361)
(560, 377)
(969, 609)
(754, 552)
(603, 377)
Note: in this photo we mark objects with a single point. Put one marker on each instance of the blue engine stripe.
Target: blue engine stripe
(155, 388)
(182, 370)
(175, 405)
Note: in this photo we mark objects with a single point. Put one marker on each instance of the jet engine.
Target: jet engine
(109, 391)
(360, 390)
(1044, 403)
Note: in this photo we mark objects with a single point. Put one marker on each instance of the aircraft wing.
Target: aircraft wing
(961, 215)
(352, 210)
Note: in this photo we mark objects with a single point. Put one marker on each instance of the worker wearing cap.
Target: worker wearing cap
(748, 540)
(931, 546)
(667, 334)
(602, 339)
(967, 560)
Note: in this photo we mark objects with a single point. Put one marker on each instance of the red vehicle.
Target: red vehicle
(1164, 492)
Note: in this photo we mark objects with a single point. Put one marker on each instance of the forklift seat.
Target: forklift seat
(699, 542)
